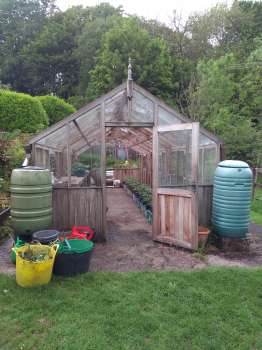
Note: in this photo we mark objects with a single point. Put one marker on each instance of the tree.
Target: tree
(20, 22)
(102, 18)
(215, 90)
(178, 46)
(50, 62)
(152, 65)
(242, 27)
(207, 32)
(216, 102)
(251, 86)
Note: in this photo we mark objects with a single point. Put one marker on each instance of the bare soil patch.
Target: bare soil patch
(129, 245)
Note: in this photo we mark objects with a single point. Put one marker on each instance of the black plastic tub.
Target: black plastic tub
(46, 236)
(73, 257)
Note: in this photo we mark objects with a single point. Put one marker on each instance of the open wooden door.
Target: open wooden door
(175, 171)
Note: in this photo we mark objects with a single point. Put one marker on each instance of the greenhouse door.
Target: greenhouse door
(175, 149)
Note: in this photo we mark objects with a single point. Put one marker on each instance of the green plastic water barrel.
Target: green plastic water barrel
(31, 199)
(232, 199)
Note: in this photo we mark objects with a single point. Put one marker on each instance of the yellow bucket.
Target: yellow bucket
(35, 273)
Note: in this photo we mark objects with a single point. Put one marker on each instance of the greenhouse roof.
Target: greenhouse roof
(126, 113)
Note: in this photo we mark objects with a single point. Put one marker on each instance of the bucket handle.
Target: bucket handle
(67, 243)
(14, 249)
(53, 246)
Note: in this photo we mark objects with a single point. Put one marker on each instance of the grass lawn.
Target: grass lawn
(205, 309)
(256, 208)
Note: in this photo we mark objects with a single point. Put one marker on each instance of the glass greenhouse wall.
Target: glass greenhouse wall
(74, 149)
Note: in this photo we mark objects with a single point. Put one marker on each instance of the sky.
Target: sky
(160, 10)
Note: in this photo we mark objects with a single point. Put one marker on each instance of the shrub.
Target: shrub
(78, 101)
(15, 154)
(56, 108)
(21, 112)
(12, 154)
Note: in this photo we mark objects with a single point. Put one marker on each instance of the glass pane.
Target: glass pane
(42, 157)
(167, 118)
(86, 167)
(58, 166)
(116, 108)
(175, 158)
(207, 166)
(207, 160)
(85, 135)
(55, 161)
(141, 108)
(204, 140)
(56, 140)
(86, 149)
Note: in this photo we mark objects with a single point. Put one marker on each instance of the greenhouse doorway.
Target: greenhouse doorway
(175, 184)
(171, 155)
(128, 179)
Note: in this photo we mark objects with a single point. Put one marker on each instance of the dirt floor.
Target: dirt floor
(129, 245)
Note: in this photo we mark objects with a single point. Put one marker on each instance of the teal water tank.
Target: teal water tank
(31, 199)
(232, 199)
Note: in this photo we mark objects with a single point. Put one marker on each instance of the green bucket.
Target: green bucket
(73, 257)
(18, 243)
(71, 246)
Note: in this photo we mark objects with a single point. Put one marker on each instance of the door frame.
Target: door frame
(192, 189)
(155, 130)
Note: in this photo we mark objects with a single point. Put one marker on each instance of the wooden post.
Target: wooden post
(68, 155)
(195, 164)
(68, 162)
(155, 172)
(222, 152)
(33, 155)
(103, 169)
(195, 152)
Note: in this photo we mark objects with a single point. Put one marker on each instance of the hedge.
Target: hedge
(56, 108)
(21, 112)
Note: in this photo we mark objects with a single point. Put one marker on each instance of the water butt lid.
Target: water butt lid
(233, 164)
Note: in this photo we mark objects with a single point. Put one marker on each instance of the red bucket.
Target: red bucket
(81, 232)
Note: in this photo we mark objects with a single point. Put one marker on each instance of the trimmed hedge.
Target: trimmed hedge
(56, 108)
(21, 112)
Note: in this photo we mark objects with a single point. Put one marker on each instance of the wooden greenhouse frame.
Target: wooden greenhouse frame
(149, 126)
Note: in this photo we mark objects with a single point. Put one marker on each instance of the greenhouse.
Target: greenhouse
(177, 159)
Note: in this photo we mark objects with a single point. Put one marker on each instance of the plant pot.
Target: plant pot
(149, 216)
(203, 233)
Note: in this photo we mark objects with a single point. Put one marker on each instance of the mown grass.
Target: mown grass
(256, 208)
(204, 309)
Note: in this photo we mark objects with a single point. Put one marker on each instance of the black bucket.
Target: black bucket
(46, 236)
(73, 257)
